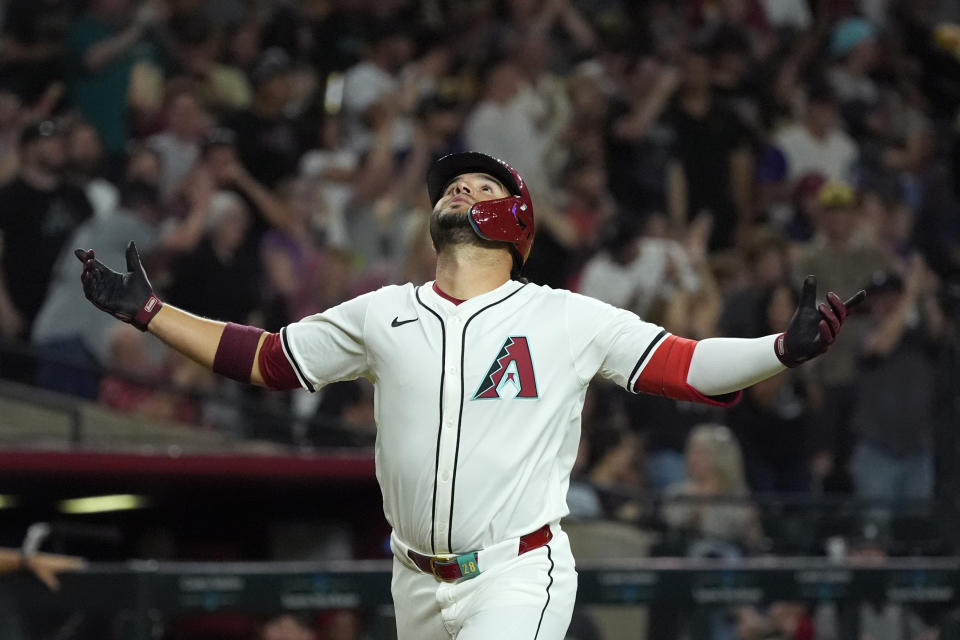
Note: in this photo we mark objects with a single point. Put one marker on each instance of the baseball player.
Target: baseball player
(479, 382)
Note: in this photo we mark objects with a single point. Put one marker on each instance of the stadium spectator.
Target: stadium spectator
(841, 256)
(816, 143)
(775, 422)
(112, 66)
(64, 327)
(715, 469)
(131, 385)
(85, 165)
(544, 93)
(178, 144)
(292, 260)
(243, 40)
(615, 472)
(854, 47)
(715, 162)
(229, 288)
(440, 119)
(737, 77)
(767, 258)
(584, 135)
(337, 167)
(636, 271)
(505, 123)
(269, 142)
(894, 452)
(375, 85)
(220, 162)
(709, 515)
(587, 208)
(221, 88)
(40, 212)
(640, 139)
(691, 310)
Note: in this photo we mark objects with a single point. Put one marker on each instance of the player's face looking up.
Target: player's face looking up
(450, 222)
(466, 189)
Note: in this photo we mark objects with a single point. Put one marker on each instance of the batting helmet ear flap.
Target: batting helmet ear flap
(508, 220)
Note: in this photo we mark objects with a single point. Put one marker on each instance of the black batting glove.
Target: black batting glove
(813, 328)
(126, 296)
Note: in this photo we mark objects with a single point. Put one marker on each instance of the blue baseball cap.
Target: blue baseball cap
(848, 33)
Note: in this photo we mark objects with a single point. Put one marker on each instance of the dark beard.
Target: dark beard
(455, 229)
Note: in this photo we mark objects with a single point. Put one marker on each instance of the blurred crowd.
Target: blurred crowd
(689, 160)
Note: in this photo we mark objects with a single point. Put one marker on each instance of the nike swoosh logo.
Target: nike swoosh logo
(397, 322)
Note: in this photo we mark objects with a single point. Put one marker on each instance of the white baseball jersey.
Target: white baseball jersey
(477, 404)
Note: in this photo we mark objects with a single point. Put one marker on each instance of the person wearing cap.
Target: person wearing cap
(853, 46)
(893, 457)
(479, 379)
(40, 211)
(842, 256)
(268, 140)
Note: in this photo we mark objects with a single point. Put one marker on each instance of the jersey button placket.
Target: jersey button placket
(448, 435)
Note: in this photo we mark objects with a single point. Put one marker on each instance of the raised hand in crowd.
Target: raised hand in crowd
(273, 208)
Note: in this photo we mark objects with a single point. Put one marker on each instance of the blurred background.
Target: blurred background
(689, 160)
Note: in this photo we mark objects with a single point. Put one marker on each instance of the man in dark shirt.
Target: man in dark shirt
(268, 141)
(40, 211)
(713, 157)
(639, 138)
(894, 455)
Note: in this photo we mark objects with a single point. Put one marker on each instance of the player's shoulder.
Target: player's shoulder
(393, 291)
(571, 301)
(563, 295)
(387, 294)
(531, 291)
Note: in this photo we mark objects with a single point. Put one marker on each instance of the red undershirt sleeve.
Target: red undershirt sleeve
(666, 374)
(275, 368)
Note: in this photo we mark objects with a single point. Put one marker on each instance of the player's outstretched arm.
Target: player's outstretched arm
(723, 365)
(226, 348)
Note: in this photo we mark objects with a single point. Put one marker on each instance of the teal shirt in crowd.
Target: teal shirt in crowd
(101, 95)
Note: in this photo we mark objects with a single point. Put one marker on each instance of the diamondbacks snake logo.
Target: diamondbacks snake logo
(511, 374)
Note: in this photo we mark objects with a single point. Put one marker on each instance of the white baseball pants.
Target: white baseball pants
(530, 597)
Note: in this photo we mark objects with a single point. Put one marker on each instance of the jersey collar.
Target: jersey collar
(441, 302)
(437, 290)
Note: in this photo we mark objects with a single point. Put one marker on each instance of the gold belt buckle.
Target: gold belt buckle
(435, 560)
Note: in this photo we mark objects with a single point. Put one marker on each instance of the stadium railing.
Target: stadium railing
(144, 592)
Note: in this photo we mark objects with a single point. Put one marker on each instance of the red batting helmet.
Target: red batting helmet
(507, 219)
